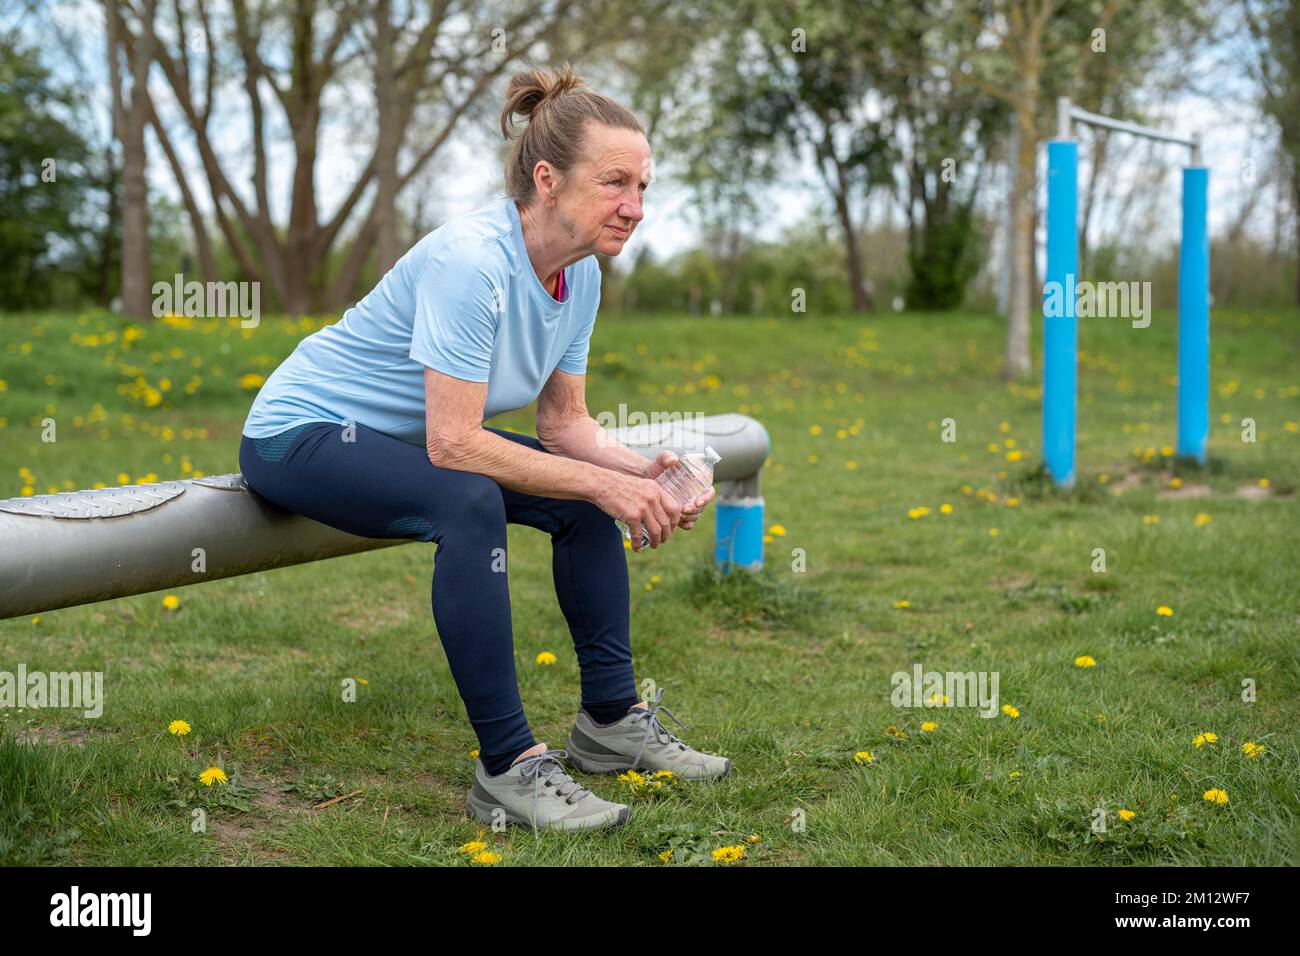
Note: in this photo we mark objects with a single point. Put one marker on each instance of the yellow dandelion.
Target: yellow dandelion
(171, 602)
(864, 756)
(1014, 455)
(1150, 519)
(487, 858)
(546, 658)
(1252, 750)
(966, 489)
(251, 380)
(1004, 427)
(993, 532)
(1208, 737)
(945, 509)
(1167, 451)
(1084, 661)
(778, 530)
(1126, 815)
(1103, 478)
(920, 512)
(36, 619)
(1012, 502)
(1175, 483)
(1165, 610)
(938, 700)
(666, 855)
(473, 846)
(1216, 795)
(728, 854)
(1010, 711)
(1263, 482)
(814, 429)
(213, 775)
(1014, 774)
(1203, 519)
(929, 727)
(178, 727)
(902, 604)
(473, 753)
(754, 838)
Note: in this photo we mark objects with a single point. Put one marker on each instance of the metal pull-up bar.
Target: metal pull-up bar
(1061, 332)
(78, 547)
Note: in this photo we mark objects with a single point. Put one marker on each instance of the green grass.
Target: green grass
(787, 671)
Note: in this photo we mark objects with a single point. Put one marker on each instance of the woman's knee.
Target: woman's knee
(475, 502)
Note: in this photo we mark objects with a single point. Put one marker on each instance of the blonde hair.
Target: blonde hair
(557, 105)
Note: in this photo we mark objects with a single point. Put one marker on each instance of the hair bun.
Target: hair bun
(528, 89)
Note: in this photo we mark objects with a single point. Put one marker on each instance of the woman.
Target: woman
(374, 425)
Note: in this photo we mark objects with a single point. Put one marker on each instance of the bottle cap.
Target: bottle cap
(713, 455)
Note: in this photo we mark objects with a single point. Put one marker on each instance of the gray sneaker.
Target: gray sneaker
(538, 792)
(639, 741)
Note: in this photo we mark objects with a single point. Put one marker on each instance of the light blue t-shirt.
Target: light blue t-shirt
(464, 301)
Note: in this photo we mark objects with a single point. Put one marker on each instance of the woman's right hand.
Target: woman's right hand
(639, 503)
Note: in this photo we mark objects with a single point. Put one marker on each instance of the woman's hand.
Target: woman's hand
(691, 513)
(639, 503)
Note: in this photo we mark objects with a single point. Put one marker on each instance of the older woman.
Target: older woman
(374, 425)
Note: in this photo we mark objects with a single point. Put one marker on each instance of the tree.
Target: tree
(42, 161)
(1275, 27)
(129, 62)
(428, 62)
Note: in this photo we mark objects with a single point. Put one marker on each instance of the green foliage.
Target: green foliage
(42, 176)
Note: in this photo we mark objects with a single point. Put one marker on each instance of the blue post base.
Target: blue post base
(739, 539)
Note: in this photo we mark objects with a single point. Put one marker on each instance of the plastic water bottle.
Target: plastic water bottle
(686, 481)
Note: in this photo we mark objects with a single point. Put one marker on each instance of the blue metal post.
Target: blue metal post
(1194, 318)
(1060, 325)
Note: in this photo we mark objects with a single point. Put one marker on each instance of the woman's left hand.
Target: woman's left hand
(691, 512)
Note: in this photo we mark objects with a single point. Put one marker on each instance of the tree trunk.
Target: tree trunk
(113, 184)
(1017, 362)
(129, 119)
(863, 300)
(202, 241)
(390, 123)
(1295, 219)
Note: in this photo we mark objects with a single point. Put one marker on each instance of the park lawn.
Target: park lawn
(788, 671)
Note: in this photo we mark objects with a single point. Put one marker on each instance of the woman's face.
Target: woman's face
(601, 202)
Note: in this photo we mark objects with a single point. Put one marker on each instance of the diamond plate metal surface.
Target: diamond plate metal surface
(97, 502)
(231, 482)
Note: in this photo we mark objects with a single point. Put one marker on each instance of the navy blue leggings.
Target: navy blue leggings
(380, 487)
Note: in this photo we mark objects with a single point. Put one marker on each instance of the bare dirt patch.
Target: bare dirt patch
(1253, 492)
(1186, 491)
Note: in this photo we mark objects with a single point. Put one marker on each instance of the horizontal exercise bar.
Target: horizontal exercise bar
(80, 547)
(1067, 111)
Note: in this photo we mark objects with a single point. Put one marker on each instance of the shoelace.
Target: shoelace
(654, 728)
(546, 766)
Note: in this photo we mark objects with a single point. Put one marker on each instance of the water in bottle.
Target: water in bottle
(686, 481)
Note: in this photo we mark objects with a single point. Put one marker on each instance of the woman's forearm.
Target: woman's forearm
(583, 439)
(519, 467)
